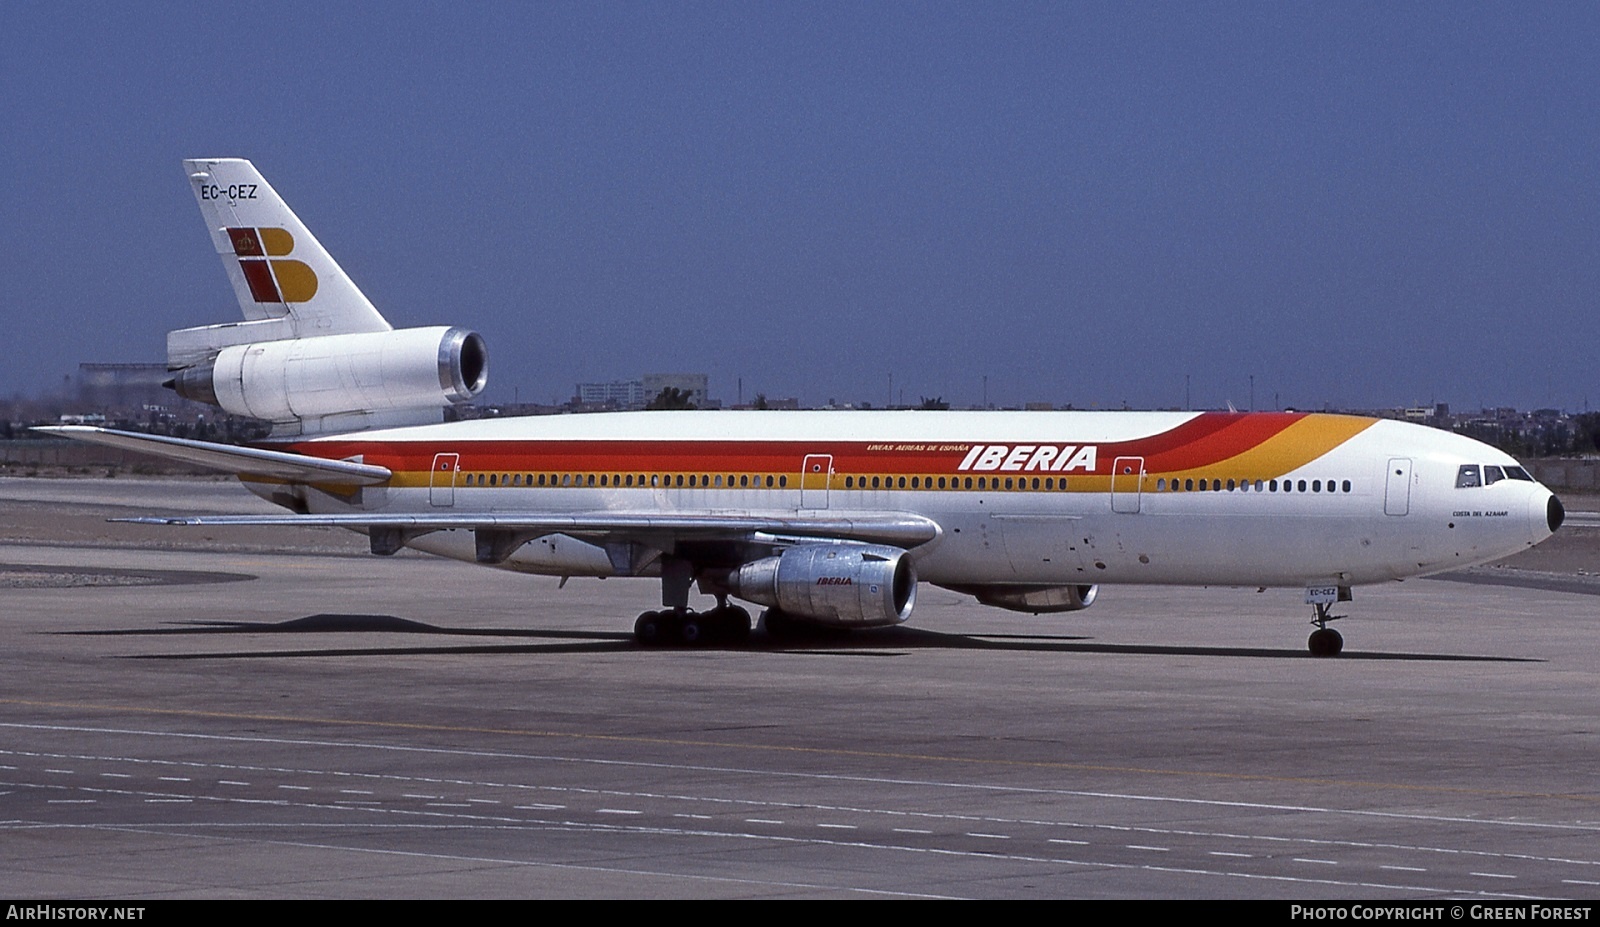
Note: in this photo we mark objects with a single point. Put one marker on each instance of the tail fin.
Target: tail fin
(278, 269)
(312, 355)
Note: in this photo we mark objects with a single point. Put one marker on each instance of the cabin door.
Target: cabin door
(816, 473)
(1397, 488)
(1127, 480)
(442, 481)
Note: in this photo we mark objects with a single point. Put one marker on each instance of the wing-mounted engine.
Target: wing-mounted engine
(1033, 599)
(838, 585)
(342, 382)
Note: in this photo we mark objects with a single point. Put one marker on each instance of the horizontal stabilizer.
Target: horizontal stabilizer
(245, 462)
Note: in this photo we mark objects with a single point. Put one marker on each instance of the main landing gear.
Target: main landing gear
(677, 624)
(725, 624)
(1325, 641)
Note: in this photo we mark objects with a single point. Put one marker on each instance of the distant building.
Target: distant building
(632, 395)
(626, 395)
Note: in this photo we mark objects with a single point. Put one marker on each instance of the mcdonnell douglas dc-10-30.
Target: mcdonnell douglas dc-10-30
(825, 519)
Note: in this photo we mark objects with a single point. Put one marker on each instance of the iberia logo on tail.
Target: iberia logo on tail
(272, 276)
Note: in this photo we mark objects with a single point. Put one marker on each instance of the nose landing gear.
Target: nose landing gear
(1324, 641)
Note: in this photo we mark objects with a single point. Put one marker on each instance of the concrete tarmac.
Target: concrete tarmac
(188, 712)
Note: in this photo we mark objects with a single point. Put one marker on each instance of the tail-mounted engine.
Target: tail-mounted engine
(839, 585)
(304, 380)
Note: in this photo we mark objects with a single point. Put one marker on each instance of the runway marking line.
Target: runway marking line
(816, 751)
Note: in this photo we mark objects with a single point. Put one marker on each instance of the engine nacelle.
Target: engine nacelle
(839, 585)
(308, 378)
(1034, 599)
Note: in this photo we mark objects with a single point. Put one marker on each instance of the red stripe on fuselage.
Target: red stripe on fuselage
(1206, 439)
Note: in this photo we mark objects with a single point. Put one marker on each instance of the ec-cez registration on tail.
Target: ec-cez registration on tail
(824, 518)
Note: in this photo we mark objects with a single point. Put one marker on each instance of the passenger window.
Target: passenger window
(1467, 477)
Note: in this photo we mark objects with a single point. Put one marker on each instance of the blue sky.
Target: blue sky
(1356, 204)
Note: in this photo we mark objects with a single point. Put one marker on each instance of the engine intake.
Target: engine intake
(838, 585)
(307, 378)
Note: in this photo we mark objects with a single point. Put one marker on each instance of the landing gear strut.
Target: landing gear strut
(1325, 641)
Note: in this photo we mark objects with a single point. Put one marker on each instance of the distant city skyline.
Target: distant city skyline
(1152, 205)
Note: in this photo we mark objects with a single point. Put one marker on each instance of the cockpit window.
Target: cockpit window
(1517, 473)
(1492, 475)
(1468, 477)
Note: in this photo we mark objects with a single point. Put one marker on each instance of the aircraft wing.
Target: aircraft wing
(894, 528)
(898, 529)
(246, 462)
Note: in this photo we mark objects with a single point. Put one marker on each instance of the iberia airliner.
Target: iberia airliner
(826, 519)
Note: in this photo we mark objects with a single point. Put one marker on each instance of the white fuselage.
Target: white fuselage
(1027, 499)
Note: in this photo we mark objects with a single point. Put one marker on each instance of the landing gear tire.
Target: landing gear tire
(730, 623)
(649, 629)
(694, 629)
(1325, 642)
(779, 627)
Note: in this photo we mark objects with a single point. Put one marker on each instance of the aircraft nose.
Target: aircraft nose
(1545, 514)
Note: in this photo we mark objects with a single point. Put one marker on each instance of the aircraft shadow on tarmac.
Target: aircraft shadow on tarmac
(885, 642)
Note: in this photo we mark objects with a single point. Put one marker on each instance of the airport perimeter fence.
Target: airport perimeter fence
(65, 457)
